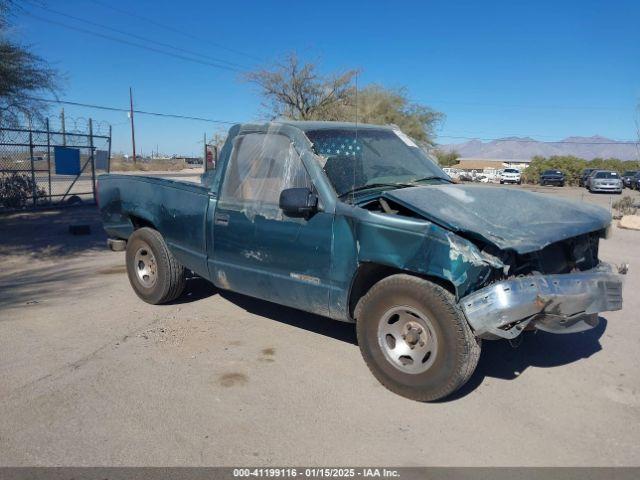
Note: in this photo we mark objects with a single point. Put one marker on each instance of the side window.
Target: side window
(260, 167)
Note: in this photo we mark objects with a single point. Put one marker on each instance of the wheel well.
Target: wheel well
(139, 222)
(369, 274)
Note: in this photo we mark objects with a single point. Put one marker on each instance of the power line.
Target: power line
(139, 37)
(229, 122)
(176, 30)
(126, 110)
(134, 44)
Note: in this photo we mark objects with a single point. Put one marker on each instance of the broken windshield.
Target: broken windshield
(357, 159)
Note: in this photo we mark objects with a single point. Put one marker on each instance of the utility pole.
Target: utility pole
(64, 132)
(133, 130)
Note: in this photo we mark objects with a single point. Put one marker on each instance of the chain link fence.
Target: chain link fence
(41, 166)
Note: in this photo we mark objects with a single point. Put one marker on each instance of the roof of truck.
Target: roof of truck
(323, 125)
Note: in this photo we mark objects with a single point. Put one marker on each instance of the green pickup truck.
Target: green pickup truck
(359, 224)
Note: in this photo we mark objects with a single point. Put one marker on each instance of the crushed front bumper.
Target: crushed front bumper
(563, 303)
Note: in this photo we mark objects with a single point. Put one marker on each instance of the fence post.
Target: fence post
(49, 160)
(109, 152)
(93, 163)
(34, 187)
(64, 130)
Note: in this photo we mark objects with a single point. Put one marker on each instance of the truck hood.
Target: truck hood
(508, 218)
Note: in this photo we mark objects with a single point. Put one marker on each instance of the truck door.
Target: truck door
(258, 250)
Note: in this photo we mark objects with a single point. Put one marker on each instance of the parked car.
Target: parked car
(588, 180)
(605, 181)
(627, 178)
(552, 177)
(511, 175)
(635, 181)
(356, 223)
(585, 175)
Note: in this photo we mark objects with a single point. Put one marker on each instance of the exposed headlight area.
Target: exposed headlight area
(574, 254)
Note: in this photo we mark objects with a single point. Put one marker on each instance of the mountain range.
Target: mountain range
(526, 147)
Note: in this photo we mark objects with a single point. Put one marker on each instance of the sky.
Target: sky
(543, 69)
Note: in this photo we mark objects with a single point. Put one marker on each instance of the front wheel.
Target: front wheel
(153, 271)
(415, 339)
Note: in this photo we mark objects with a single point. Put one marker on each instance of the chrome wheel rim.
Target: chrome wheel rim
(407, 339)
(145, 266)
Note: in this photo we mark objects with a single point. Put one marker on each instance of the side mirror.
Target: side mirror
(298, 202)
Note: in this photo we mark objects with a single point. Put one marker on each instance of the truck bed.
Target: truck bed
(177, 209)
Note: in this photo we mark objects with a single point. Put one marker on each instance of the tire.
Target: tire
(501, 182)
(153, 271)
(451, 350)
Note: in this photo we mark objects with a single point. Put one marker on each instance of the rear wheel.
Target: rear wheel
(153, 271)
(414, 338)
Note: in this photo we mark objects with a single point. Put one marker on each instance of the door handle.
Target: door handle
(222, 219)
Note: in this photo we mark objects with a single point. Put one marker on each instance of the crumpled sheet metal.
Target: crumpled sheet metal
(505, 217)
(417, 246)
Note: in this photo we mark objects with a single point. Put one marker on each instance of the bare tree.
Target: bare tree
(297, 91)
(23, 76)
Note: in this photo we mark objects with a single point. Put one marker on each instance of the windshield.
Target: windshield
(511, 170)
(367, 157)
(606, 175)
(552, 172)
(629, 173)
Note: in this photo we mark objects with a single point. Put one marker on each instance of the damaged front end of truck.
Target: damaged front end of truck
(517, 260)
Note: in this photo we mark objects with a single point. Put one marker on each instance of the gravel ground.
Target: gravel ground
(91, 375)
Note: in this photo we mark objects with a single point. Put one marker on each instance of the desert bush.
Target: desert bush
(148, 166)
(625, 206)
(573, 167)
(16, 190)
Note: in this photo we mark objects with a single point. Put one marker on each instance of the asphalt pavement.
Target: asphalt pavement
(91, 375)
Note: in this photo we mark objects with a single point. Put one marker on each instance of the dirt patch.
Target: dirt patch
(267, 355)
(233, 379)
(113, 270)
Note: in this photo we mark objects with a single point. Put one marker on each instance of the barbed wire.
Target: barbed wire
(72, 125)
